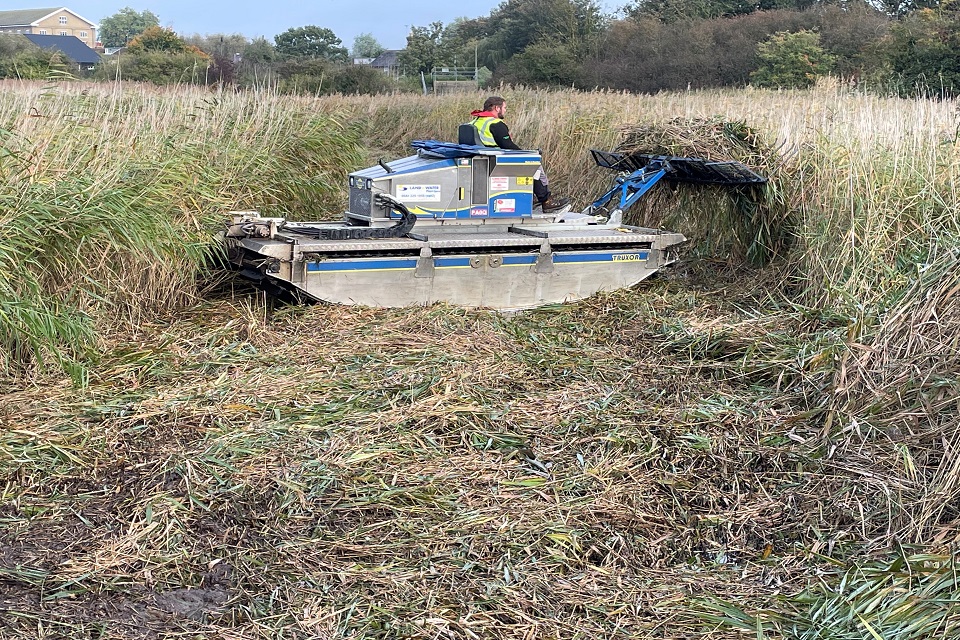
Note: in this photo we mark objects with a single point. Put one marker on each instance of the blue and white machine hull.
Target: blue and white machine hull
(458, 224)
(518, 268)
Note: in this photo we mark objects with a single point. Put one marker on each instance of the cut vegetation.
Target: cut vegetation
(761, 443)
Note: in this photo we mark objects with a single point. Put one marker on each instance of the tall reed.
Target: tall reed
(869, 183)
(111, 197)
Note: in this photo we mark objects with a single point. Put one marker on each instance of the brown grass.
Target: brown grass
(719, 449)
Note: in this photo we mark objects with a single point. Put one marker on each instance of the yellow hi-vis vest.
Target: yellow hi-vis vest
(483, 126)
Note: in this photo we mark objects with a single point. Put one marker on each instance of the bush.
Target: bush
(20, 58)
(353, 79)
(305, 76)
(648, 55)
(791, 61)
(157, 67)
(542, 63)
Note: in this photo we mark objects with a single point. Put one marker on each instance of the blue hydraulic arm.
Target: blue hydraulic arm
(646, 170)
(632, 187)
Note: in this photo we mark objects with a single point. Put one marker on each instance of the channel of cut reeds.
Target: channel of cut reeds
(724, 452)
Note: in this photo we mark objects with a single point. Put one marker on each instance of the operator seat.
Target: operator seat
(468, 134)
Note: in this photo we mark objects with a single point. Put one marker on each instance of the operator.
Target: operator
(495, 133)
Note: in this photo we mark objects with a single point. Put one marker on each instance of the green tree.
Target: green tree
(459, 42)
(259, 51)
(424, 48)
(117, 30)
(310, 42)
(516, 24)
(366, 46)
(791, 61)
(924, 53)
(159, 39)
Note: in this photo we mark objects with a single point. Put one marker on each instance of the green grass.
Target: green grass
(909, 597)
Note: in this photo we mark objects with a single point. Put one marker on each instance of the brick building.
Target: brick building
(49, 22)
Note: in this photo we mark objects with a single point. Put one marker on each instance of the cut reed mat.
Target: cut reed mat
(352, 472)
(599, 469)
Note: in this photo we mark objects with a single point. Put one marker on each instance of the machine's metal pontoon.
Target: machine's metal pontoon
(457, 224)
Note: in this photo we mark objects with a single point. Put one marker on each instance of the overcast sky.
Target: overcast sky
(388, 20)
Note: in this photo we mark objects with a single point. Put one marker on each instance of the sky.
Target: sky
(388, 20)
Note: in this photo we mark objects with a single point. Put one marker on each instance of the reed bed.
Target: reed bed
(110, 199)
(725, 452)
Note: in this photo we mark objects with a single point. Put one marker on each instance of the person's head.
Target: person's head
(496, 105)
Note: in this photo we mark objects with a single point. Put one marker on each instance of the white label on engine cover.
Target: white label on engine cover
(499, 184)
(505, 205)
(418, 192)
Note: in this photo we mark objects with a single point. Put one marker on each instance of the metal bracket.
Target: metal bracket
(425, 266)
(544, 259)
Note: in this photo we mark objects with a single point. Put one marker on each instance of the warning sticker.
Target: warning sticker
(478, 212)
(418, 192)
(525, 180)
(505, 205)
(499, 184)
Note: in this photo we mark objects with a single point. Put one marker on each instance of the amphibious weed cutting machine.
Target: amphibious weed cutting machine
(456, 223)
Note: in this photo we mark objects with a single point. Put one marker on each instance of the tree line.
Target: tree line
(904, 46)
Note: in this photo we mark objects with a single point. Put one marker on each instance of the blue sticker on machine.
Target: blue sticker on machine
(478, 212)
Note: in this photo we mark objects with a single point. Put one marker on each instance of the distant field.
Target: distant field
(761, 442)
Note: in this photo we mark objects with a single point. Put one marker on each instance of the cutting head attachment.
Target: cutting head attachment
(688, 170)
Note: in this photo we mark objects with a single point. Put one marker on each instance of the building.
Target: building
(388, 62)
(70, 46)
(49, 22)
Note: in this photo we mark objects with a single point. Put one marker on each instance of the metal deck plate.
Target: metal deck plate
(558, 235)
(568, 234)
(435, 240)
(371, 244)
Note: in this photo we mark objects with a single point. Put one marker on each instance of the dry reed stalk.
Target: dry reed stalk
(596, 468)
